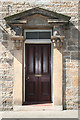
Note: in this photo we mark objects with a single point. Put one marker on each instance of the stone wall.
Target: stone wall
(70, 50)
(6, 67)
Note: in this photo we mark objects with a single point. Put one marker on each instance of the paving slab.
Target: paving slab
(40, 114)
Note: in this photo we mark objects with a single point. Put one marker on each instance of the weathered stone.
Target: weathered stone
(75, 33)
(64, 45)
(73, 42)
(73, 48)
(72, 72)
(74, 55)
(72, 92)
(68, 83)
(70, 65)
(66, 53)
(70, 44)
(79, 55)
(75, 81)
(66, 59)
(5, 44)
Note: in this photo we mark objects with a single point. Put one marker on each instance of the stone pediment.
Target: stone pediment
(37, 18)
(19, 18)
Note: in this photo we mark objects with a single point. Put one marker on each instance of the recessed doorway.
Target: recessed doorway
(38, 73)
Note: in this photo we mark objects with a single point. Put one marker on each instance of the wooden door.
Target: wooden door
(37, 72)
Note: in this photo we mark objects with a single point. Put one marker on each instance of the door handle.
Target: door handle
(38, 75)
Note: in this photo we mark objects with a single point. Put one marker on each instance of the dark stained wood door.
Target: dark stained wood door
(37, 72)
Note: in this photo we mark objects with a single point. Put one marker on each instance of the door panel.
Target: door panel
(40, 60)
(36, 60)
(44, 86)
(31, 60)
(38, 83)
(31, 87)
(45, 60)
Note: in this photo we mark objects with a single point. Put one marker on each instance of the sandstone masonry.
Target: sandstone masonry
(70, 50)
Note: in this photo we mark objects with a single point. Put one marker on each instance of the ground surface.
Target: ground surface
(39, 114)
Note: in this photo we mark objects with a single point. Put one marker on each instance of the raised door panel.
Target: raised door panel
(45, 60)
(30, 59)
(44, 87)
(31, 89)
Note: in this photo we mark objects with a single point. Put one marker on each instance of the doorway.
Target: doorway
(38, 73)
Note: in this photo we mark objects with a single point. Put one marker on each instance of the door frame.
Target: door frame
(40, 42)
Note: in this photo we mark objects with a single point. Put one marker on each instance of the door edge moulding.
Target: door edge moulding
(43, 43)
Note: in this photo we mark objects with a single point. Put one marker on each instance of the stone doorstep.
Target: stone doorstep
(37, 108)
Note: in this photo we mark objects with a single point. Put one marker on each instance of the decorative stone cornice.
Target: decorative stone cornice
(37, 10)
(57, 41)
(17, 22)
(57, 21)
(18, 41)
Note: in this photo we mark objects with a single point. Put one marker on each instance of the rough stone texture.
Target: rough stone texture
(70, 50)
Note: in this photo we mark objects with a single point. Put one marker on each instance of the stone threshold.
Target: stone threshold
(37, 108)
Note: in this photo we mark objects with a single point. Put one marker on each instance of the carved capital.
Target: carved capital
(18, 41)
(57, 41)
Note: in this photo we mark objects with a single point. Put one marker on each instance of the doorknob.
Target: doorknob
(27, 78)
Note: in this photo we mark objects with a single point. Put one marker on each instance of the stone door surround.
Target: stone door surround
(29, 20)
